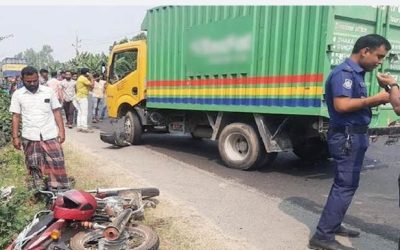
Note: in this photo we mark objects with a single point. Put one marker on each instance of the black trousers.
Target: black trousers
(69, 112)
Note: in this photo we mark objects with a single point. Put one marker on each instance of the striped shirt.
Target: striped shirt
(36, 110)
(68, 88)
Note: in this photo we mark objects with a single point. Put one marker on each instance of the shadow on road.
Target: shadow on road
(384, 231)
(286, 163)
(204, 148)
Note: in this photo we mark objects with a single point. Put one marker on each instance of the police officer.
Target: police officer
(350, 114)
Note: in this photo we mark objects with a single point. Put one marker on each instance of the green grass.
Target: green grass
(18, 210)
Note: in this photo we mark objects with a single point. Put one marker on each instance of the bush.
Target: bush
(5, 119)
(18, 210)
(15, 215)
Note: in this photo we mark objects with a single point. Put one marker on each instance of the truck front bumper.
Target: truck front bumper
(115, 133)
(107, 137)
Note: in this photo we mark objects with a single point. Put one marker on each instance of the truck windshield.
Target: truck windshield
(123, 63)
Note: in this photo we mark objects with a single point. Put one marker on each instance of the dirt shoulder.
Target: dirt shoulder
(178, 226)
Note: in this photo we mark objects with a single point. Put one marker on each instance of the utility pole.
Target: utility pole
(77, 45)
(5, 37)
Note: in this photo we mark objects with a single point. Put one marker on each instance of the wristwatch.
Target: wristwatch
(390, 86)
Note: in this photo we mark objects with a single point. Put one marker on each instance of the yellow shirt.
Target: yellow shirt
(82, 87)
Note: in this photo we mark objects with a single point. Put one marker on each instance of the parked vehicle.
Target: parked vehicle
(251, 77)
(94, 219)
(11, 67)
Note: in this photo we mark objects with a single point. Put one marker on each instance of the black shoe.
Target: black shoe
(347, 232)
(315, 243)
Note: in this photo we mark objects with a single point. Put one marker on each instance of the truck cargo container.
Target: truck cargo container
(251, 77)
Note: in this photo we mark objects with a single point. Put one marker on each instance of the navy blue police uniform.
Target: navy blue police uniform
(347, 141)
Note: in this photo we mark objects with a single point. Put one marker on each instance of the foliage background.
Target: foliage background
(44, 58)
(18, 210)
(5, 119)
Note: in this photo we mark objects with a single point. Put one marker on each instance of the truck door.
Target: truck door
(123, 80)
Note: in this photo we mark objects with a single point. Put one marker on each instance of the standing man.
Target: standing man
(19, 82)
(61, 76)
(74, 76)
(13, 85)
(42, 128)
(55, 85)
(390, 84)
(98, 95)
(350, 114)
(44, 76)
(84, 84)
(68, 88)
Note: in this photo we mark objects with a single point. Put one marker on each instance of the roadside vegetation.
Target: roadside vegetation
(5, 119)
(18, 209)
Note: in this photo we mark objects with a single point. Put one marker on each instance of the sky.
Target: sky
(58, 26)
(96, 23)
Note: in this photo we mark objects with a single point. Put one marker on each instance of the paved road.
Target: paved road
(375, 208)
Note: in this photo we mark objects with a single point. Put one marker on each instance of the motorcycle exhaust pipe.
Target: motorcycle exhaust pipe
(91, 225)
(113, 231)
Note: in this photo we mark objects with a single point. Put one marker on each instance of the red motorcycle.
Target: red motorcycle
(94, 219)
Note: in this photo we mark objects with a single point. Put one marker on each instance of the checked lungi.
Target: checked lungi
(47, 156)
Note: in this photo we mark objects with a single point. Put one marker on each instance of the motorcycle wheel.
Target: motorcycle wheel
(140, 238)
(150, 192)
(146, 192)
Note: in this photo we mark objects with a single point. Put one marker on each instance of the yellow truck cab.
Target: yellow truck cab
(126, 77)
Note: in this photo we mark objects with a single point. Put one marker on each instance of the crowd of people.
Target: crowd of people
(81, 95)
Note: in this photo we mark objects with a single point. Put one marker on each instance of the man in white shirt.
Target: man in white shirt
(44, 77)
(68, 89)
(42, 128)
(55, 85)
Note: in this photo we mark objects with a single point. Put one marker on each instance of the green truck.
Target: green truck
(251, 77)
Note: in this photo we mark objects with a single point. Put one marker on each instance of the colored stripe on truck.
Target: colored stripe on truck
(288, 90)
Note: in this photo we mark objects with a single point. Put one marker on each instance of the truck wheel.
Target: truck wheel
(132, 128)
(195, 137)
(239, 146)
(266, 160)
(312, 149)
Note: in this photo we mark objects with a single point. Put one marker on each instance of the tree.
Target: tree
(41, 59)
(140, 36)
(88, 60)
(54, 67)
(44, 59)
